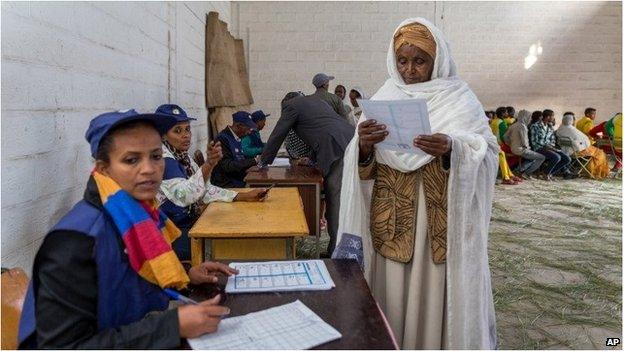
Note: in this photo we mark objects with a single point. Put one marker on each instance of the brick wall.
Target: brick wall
(64, 63)
(580, 64)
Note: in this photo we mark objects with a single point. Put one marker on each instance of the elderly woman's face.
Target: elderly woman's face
(414, 65)
(180, 136)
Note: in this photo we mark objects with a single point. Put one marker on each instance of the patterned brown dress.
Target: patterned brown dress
(408, 229)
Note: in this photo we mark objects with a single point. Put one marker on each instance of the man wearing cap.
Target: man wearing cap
(321, 82)
(231, 170)
(252, 143)
(327, 133)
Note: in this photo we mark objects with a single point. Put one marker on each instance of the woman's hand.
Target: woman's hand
(208, 272)
(214, 152)
(199, 158)
(255, 195)
(436, 145)
(196, 320)
(370, 134)
(215, 155)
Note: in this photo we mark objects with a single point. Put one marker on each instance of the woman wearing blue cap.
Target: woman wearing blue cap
(186, 186)
(103, 274)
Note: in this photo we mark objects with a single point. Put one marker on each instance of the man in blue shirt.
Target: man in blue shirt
(543, 141)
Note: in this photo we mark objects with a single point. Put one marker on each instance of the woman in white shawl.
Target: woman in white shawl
(355, 94)
(418, 223)
(581, 147)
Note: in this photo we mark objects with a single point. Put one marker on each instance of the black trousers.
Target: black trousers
(332, 185)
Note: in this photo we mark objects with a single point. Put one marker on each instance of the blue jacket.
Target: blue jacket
(180, 216)
(123, 297)
(230, 172)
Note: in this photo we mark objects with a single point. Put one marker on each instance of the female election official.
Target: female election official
(100, 276)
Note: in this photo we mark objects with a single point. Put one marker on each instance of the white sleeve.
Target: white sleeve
(184, 192)
(214, 193)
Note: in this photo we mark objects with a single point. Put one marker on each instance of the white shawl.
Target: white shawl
(453, 110)
(580, 141)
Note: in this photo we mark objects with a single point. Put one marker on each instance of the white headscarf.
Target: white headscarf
(361, 92)
(580, 141)
(455, 111)
(453, 107)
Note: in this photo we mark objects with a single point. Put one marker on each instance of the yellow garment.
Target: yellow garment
(495, 127)
(585, 124)
(150, 254)
(504, 167)
(597, 165)
(509, 121)
(617, 132)
(418, 35)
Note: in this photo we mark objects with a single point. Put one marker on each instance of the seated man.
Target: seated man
(231, 170)
(586, 123)
(543, 139)
(508, 177)
(517, 138)
(509, 119)
(252, 143)
(498, 124)
(610, 132)
(613, 127)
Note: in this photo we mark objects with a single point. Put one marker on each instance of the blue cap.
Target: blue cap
(174, 111)
(320, 79)
(102, 124)
(245, 118)
(258, 116)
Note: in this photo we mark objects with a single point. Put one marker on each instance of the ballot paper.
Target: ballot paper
(291, 326)
(279, 276)
(404, 120)
(280, 162)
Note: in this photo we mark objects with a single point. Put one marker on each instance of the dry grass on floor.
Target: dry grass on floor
(555, 256)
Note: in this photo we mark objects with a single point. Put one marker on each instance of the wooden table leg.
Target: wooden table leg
(197, 251)
(290, 248)
(317, 189)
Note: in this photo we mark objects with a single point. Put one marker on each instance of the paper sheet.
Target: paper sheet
(279, 276)
(404, 120)
(292, 326)
(280, 162)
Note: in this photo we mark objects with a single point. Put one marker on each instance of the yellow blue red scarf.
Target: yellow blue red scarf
(146, 232)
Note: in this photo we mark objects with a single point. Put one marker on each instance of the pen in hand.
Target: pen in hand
(177, 296)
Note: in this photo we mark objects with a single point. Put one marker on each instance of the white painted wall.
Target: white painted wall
(64, 63)
(580, 65)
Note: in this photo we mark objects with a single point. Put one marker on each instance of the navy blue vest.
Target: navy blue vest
(179, 215)
(123, 296)
(236, 148)
(233, 144)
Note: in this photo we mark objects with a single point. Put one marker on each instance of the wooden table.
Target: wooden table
(307, 179)
(349, 307)
(250, 230)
